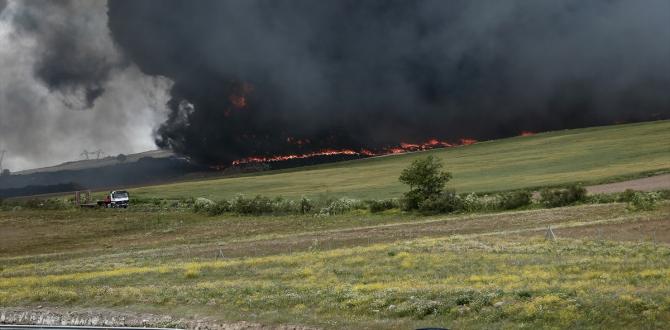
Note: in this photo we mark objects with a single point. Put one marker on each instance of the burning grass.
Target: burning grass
(586, 155)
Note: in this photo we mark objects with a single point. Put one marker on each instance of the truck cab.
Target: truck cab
(118, 199)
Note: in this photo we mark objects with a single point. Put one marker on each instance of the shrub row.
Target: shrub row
(562, 197)
(448, 202)
(253, 206)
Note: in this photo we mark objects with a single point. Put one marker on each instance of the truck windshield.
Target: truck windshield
(120, 194)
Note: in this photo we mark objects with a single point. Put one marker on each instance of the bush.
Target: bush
(604, 198)
(627, 196)
(306, 205)
(341, 206)
(411, 200)
(643, 201)
(376, 206)
(285, 206)
(203, 204)
(220, 207)
(446, 202)
(425, 179)
(256, 206)
(515, 200)
(562, 197)
(472, 203)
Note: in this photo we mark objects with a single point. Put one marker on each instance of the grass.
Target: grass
(459, 271)
(590, 155)
(609, 268)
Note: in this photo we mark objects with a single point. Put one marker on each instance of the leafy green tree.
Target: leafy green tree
(426, 180)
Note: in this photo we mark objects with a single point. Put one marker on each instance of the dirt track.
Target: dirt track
(658, 182)
(520, 223)
(55, 316)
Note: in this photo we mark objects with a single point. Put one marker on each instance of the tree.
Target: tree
(121, 158)
(425, 179)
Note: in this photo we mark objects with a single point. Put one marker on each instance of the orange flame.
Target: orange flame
(402, 148)
(238, 101)
(238, 98)
(527, 133)
(325, 152)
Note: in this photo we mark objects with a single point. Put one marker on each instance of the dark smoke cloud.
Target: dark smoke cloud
(365, 74)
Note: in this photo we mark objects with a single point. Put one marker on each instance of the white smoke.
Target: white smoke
(42, 126)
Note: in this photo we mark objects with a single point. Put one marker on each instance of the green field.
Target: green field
(608, 268)
(588, 155)
(348, 272)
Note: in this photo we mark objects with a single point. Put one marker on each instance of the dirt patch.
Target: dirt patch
(648, 231)
(331, 239)
(658, 182)
(108, 318)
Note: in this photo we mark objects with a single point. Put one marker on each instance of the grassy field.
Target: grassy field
(609, 267)
(350, 271)
(583, 155)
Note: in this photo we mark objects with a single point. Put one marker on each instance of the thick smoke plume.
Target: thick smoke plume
(66, 87)
(263, 77)
(251, 76)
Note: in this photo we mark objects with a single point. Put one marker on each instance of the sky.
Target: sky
(220, 80)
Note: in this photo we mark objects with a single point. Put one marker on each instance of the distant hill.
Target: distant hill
(102, 162)
(150, 167)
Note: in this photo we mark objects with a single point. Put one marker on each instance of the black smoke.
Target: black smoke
(367, 74)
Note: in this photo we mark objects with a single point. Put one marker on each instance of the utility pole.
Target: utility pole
(98, 153)
(2, 157)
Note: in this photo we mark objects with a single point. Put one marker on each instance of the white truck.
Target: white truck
(116, 199)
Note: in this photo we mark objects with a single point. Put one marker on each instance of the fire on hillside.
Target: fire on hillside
(403, 147)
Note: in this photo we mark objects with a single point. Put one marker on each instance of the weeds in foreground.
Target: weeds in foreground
(462, 282)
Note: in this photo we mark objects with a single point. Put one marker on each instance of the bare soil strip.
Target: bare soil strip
(658, 182)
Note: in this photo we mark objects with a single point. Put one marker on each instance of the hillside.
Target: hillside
(587, 155)
(97, 163)
(152, 167)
